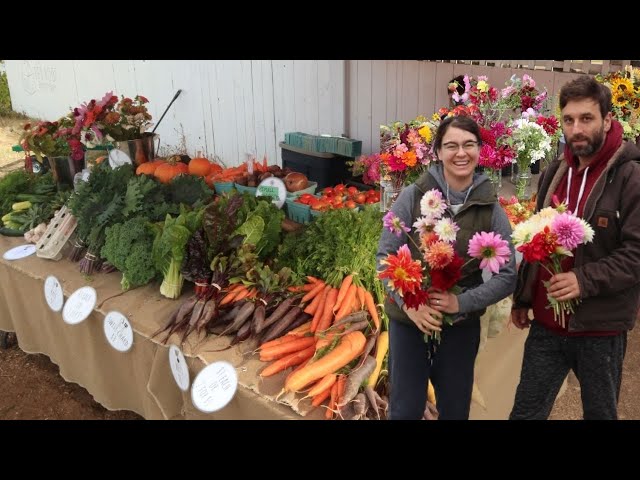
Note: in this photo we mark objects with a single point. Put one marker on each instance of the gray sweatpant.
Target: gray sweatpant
(548, 357)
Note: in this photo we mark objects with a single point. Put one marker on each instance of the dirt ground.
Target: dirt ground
(31, 387)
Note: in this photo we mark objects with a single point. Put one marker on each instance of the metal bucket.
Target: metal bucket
(140, 150)
(64, 169)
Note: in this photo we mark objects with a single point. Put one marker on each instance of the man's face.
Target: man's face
(583, 127)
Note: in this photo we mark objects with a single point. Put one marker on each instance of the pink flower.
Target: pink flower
(394, 224)
(491, 249)
(569, 230)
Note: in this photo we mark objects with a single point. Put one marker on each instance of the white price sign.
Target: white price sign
(79, 305)
(214, 387)
(53, 293)
(17, 253)
(118, 331)
(275, 188)
(179, 368)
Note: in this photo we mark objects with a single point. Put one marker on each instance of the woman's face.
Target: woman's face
(459, 153)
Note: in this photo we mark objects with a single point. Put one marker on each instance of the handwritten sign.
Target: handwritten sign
(214, 387)
(53, 293)
(179, 368)
(17, 253)
(275, 188)
(79, 305)
(118, 331)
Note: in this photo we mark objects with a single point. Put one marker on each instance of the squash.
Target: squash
(149, 168)
(171, 168)
(199, 166)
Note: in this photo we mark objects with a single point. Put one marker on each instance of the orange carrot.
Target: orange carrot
(327, 315)
(312, 279)
(344, 288)
(307, 287)
(349, 347)
(342, 383)
(332, 402)
(324, 383)
(313, 306)
(295, 358)
(347, 303)
(371, 307)
(321, 397)
(325, 340)
(279, 351)
(229, 297)
(361, 300)
(277, 341)
(317, 289)
(302, 365)
(301, 330)
(320, 309)
(296, 288)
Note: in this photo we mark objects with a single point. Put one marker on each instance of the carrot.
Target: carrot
(324, 383)
(321, 397)
(307, 287)
(355, 379)
(344, 288)
(327, 315)
(313, 279)
(381, 351)
(320, 309)
(332, 402)
(313, 306)
(361, 300)
(319, 286)
(229, 297)
(295, 358)
(371, 307)
(301, 330)
(347, 302)
(242, 293)
(342, 382)
(283, 349)
(325, 340)
(296, 288)
(349, 347)
(302, 365)
(235, 287)
(277, 341)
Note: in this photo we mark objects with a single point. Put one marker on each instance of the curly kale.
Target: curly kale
(128, 247)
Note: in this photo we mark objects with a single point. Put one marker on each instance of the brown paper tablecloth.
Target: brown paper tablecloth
(140, 379)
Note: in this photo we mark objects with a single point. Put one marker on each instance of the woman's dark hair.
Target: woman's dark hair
(459, 80)
(583, 87)
(463, 123)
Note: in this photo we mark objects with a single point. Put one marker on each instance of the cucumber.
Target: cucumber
(10, 232)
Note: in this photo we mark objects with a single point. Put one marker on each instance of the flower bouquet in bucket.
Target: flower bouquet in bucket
(439, 266)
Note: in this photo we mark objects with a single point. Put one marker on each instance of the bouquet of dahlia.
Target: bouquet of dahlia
(440, 266)
(548, 237)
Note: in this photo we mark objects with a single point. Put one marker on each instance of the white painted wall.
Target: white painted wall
(227, 108)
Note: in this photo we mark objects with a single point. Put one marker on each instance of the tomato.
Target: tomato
(340, 188)
(352, 191)
(360, 198)
(371, 193)
(305, 198)
(371, 200)
(350, 204)
(327, 191)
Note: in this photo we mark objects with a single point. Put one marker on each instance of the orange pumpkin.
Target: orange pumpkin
(200, 167)
(173, 167)
(149, 168)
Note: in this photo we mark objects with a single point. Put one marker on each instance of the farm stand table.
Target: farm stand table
(139, 380)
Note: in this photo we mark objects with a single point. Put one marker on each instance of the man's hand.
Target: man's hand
(564, 286)
(427, 319)
(520, 318)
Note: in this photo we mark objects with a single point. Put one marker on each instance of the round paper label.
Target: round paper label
(214, 387)
(118, 331)
(117, 158)
(79, 305)
(17, 253)
(275, 188)
(53, 293)
(179, 368)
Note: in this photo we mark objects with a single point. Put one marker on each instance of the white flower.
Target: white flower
(432, 204)
(424, 224)
(446, 229)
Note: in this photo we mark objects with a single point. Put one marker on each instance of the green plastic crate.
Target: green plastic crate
(298, 212)
(310, 189)
(223, 187)
(243, 189)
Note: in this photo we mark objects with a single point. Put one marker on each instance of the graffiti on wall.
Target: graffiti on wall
(37, 76)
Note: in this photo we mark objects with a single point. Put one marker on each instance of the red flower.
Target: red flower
(414, 300)
(540, 247)
(446, 278)
(404, 273)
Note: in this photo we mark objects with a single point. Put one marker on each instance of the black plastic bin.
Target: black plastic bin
(327, 169)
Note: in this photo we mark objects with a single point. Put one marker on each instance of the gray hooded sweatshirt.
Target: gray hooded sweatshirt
(495, 288)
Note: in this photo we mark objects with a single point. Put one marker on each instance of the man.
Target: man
(600, 180)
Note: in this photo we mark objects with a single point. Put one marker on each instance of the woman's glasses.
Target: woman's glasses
(451, 147)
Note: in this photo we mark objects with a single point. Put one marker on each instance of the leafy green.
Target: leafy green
(252, 229)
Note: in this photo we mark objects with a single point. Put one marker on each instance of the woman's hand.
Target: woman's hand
(445, 302)
(427, 319)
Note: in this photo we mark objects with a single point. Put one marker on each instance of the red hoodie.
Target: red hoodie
(613, 140)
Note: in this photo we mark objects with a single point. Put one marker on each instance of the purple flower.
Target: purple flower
(394, 224)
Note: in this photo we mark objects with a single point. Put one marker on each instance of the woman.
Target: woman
(472, 204)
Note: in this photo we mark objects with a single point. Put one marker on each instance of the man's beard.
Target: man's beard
(591, 146)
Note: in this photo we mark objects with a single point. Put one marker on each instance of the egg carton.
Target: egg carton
(58, 232)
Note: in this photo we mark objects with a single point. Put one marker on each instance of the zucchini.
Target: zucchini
(10, 232)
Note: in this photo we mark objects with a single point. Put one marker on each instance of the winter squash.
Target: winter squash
(199, 166)
(149, 168)
(171, 168)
